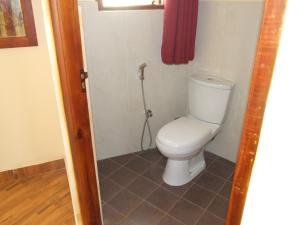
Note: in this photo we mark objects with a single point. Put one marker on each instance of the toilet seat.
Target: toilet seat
(184, 137)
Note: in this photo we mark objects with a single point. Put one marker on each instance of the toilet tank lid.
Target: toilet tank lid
(212, 81)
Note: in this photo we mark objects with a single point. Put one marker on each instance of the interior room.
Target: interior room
(124, 59)
(141, 112)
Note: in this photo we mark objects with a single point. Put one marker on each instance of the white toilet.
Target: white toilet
(182, 141)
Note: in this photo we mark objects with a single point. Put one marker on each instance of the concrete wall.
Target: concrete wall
(118, 41)
(116, 44)
(226, 43)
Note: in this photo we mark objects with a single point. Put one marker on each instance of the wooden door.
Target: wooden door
(65, 21)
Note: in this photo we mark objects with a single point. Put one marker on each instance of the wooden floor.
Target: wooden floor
(41, 199)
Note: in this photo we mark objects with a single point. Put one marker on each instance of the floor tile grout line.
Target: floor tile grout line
(221, 159)
(206, 209)
(126, 188)
(213, 199)
(135, 154)
(143, 200)
(209, 204)
(227, 178)
(123, 165)
(213, 160)
(180, 197)
(160, 185)
(211, 173)
(165, 212)
(137, 174)
(214, 192)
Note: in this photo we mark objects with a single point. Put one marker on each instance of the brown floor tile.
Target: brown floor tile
(167, 220)
(126, 207)
(162, 162)
(107, 166)
(152, 155)
(142, 187)
(162, 199)
(225, 161)
(226, 190)
(101, 177)
(197, 177)
(209, 157)
(186, 212)
(199, 196)
(138, 165)
(124, 202)
(122, 159)
(108, 189)
(231, 177)
(123, 177)
(155, 174)
(219, 207)
(221, 169)
(210, 181)
(126, 221)
(110, 215)
(146, 214)
(178, 190)
(210, 219)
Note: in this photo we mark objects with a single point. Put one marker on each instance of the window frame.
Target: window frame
(137, 7)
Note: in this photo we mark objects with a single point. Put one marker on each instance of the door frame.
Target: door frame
(67, 40)
(266, 52)
(65, 22)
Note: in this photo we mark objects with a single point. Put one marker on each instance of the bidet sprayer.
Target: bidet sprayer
(141, 70)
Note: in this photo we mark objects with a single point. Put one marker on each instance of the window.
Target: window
(130, 4)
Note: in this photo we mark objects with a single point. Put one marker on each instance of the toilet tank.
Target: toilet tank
(209, 97)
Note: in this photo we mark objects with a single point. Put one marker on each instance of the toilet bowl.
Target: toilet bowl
(183, 140)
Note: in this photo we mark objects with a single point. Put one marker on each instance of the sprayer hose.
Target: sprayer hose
(148, 114)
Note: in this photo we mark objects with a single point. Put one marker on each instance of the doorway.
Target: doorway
(240, 172)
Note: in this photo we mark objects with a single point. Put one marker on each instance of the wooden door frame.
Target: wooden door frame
(66, 31)
(65, 21)
(266, 53)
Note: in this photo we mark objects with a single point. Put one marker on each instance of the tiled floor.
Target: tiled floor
(133, 192)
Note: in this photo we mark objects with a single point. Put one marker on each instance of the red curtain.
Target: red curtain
(179, 33)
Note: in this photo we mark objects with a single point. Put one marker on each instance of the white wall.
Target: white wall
(30, 131)
(273, 196)
(117, 42)
(226, 44)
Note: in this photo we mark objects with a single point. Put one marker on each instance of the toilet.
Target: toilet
(183, 140)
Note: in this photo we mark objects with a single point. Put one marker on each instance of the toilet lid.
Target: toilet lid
(184, 135)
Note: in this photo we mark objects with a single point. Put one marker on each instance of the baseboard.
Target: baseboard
(32, 170)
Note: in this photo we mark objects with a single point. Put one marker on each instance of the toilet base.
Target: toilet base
(180, 172)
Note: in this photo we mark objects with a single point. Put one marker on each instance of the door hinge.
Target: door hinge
(83, 76)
